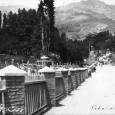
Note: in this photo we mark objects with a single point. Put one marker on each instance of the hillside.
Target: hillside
(13, 8)
(79, 19)
(85, 17)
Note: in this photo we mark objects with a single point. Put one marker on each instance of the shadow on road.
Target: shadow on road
(59, 105)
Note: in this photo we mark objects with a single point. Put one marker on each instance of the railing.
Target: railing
(37, 91)
(35, 97)
(33, 77)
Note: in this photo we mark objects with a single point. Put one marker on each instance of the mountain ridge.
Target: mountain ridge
(79, 19)
(91, 16)
(13, 8)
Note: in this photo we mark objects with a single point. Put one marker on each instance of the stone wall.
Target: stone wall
(14, 96)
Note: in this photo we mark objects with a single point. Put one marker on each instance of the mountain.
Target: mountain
(79, 19)
(13, 8)
(82, 18)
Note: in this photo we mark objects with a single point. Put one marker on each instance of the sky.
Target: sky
(34, 3)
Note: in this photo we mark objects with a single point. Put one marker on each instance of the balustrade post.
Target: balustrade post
(49, 74)
(89, 71)
(82, 76)
(14, 95)
(65, 78)
(73, 72)
(86, 74)
(78, 77)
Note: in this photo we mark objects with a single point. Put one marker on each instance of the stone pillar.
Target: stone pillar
(50, 81)
(50, 85)
(73, 72)
(70, 83)
(82, 75)
(78, 77)
(65, 77)
(89, 71)
(86, 73)
(14, 95)
(59, 76)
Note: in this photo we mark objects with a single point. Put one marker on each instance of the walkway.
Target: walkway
(95, 96)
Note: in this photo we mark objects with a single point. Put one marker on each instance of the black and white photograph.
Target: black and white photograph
(57, 57)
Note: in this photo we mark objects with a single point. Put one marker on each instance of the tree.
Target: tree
(45, 26)
(51, 22)
(4, 20)
(0, 19)
(51, 12)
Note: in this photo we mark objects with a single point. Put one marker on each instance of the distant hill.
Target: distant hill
(79, 19)
(13, 8)
(85, 17)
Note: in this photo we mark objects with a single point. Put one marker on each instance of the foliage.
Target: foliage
(0, 18)
(100, 41)
(21, 34)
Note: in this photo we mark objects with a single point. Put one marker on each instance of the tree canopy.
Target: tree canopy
(22, 33)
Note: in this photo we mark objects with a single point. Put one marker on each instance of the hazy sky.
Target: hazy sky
(34, 3)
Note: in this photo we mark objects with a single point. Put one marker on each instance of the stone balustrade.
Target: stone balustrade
(33, 92)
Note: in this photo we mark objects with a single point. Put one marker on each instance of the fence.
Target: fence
(33, 77)
(35, 97)
(31, 94)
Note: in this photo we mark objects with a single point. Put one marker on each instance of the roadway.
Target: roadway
(95, 96)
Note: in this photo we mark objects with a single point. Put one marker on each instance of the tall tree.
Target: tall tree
(46, 10)
(0, 19)
(51, 12)
(51, 20)
(41, 14)
(45, 28)
(4, 20)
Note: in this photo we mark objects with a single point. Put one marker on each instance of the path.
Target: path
(95, 96)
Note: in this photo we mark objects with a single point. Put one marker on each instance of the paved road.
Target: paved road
(95, 96)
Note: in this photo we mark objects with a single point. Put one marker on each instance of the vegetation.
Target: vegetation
(100, 41)
(21, 34)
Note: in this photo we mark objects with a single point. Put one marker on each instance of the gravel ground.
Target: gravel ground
(95, 96)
